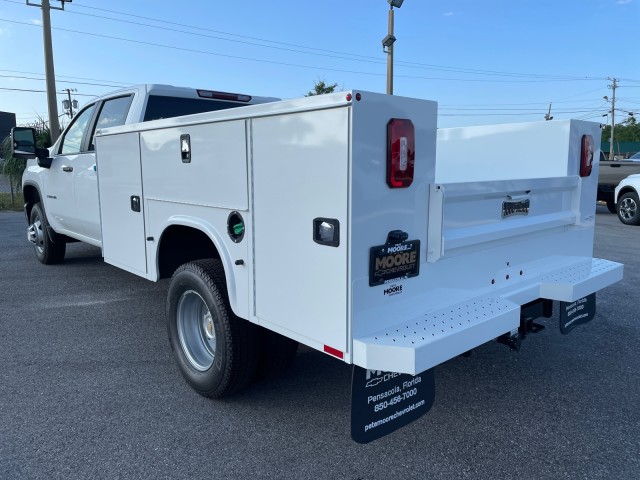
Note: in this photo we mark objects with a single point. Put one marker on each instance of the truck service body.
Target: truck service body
(349, 223)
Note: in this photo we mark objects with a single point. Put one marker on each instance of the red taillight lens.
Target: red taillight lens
(401, 152)
(586, 156)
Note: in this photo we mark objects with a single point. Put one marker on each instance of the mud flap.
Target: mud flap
(383, 402)
(577, 313)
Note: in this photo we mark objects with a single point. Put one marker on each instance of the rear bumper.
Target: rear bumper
(420, 343)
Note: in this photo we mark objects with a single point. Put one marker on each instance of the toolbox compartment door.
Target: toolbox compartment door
(300, 174)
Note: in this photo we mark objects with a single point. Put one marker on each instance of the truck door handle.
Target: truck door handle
(67, 169)
(135, 203)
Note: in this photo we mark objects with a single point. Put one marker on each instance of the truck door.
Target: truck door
(112, 113)
(121, 202)
(59, 183)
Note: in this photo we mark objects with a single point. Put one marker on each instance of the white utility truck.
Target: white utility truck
(346, 222)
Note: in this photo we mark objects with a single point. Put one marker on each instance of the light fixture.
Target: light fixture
(388, 41)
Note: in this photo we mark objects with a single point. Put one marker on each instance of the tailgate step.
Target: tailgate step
(576, 281)
(423, 342)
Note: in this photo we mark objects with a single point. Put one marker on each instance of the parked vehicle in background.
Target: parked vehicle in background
(612, 172)
(627, 202)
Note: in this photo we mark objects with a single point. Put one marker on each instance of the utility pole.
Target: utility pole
(69, 104)
(548, 115)
(613, 86)
(54, 125)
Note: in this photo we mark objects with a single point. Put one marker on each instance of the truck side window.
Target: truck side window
(112, 114)
(72, 141)
(160, 106)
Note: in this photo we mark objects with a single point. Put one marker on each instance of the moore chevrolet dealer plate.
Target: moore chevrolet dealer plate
(393, 262)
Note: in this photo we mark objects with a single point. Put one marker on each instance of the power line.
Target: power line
(288, 64)
(329, 53)
(368, 58)
(75, 82)
(314, 50)
(67, 76)
(41, 91)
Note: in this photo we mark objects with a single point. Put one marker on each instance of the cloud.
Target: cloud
(623, 2)
(36, 22)
(447, 14)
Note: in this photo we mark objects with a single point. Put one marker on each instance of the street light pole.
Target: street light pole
(387, 45)
(390, 54)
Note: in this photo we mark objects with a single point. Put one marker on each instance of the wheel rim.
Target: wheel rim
(628, 209)
(196, 330)
(35, 234)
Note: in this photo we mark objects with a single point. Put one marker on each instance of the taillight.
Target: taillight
(586, 156)
(401, 152)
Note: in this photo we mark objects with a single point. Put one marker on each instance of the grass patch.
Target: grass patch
(5, 201)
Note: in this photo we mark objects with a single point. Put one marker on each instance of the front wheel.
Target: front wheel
(628, 209)
(216, 351)
(46, 251)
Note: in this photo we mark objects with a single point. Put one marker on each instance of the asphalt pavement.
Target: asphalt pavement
(89, 389)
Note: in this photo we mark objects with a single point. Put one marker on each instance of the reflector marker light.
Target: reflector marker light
(401, 153)
(586, 156)
(235, 97)
(332, 351)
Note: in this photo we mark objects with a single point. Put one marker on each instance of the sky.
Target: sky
(483, 61)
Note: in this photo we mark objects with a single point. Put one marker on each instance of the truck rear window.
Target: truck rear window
(159, 106)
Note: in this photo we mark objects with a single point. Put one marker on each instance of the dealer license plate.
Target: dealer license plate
(394, 262)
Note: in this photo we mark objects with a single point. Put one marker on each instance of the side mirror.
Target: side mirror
(23, 145)
(23, 142)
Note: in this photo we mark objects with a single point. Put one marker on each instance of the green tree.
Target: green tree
(629, 131)
(320, 88)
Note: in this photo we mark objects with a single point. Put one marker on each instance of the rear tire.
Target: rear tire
(611, 206)
(47, 252)
(629, 209)
(216, 351)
